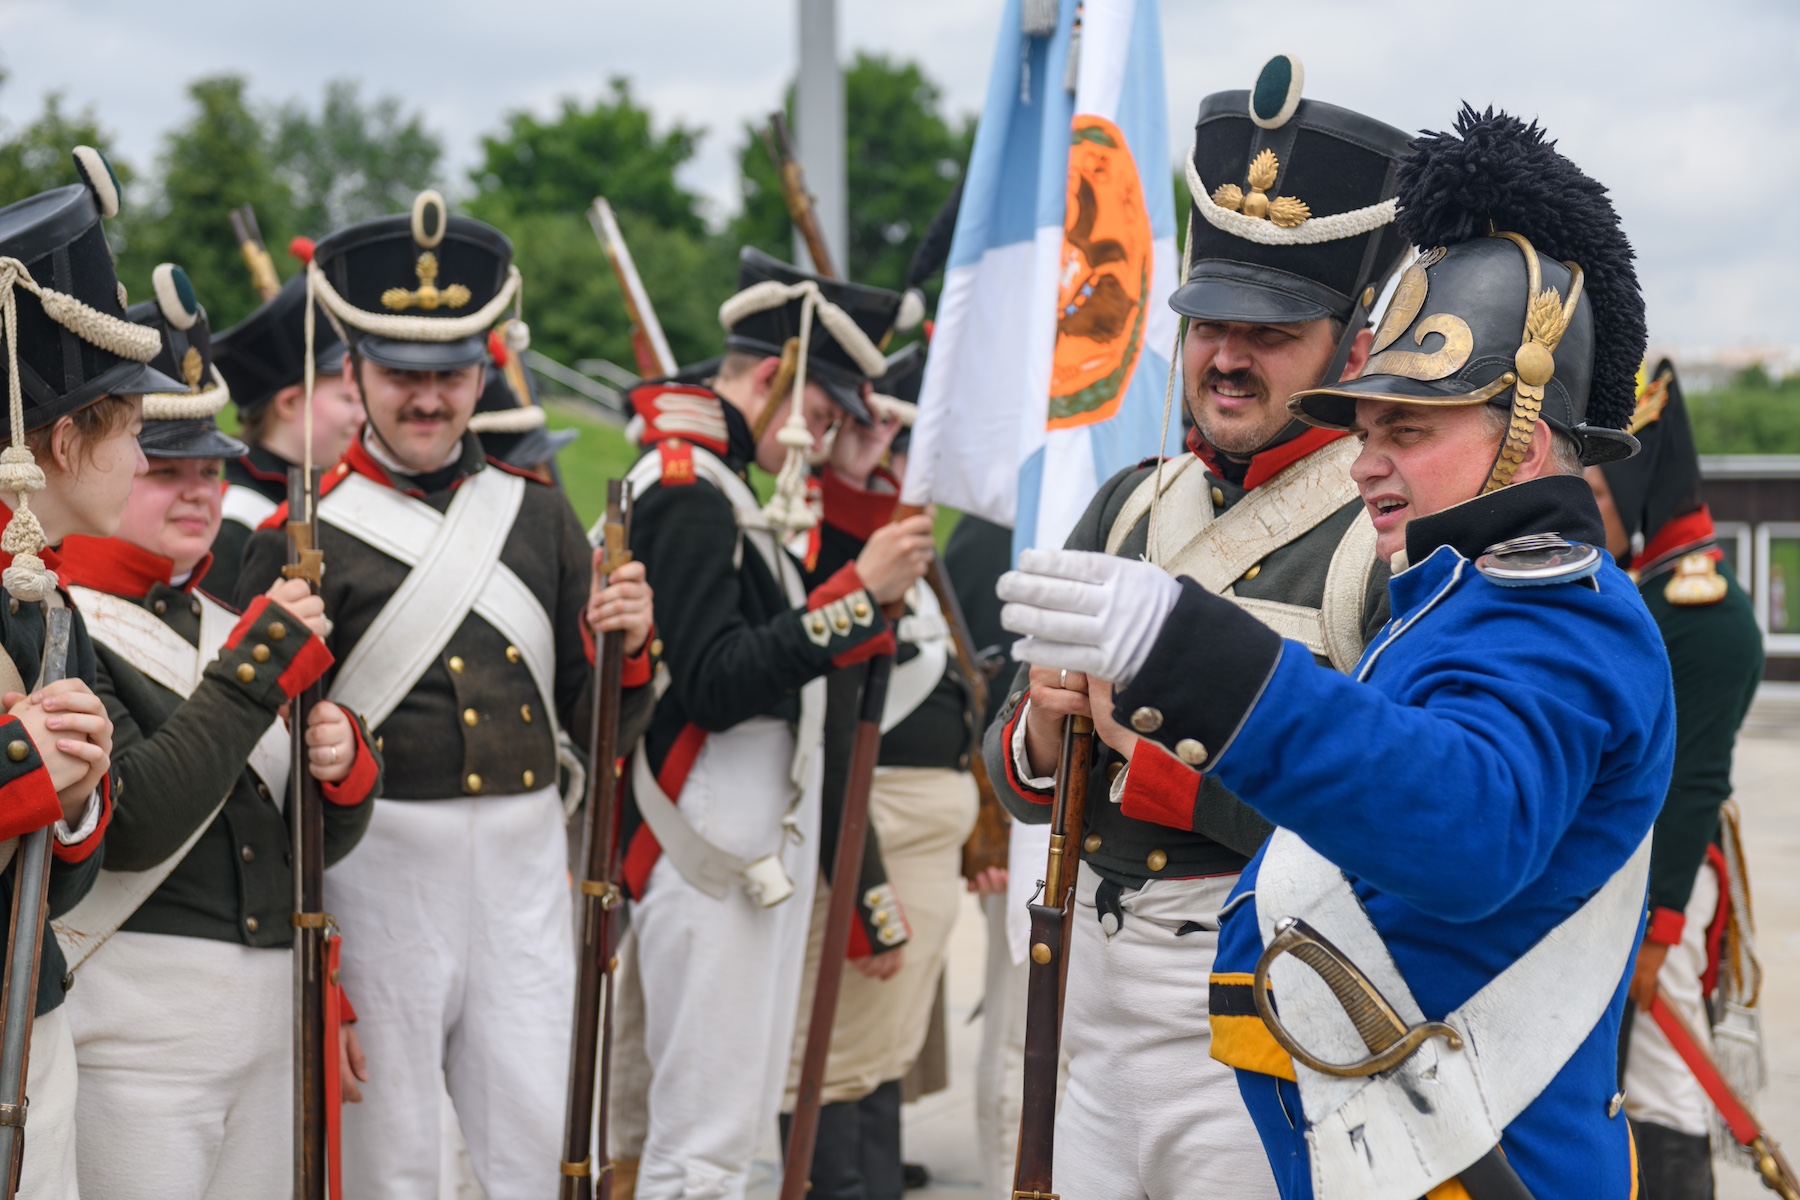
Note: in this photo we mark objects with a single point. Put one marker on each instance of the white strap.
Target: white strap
(1368, 1138)
(910, 682)
(1347, 591)
(1176, 492)
(1295, 622)
(166, 658)
(247, 506)
(712, 870)
(456, 569)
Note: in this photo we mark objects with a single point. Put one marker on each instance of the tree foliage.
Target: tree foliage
(35, 157)
(351, 161)
(1755, 415)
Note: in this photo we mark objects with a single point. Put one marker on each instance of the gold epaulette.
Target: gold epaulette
(1696, 582)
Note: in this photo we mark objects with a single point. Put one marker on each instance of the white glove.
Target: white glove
(1082, 611)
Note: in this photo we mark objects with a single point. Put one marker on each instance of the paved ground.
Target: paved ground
(939, 1129)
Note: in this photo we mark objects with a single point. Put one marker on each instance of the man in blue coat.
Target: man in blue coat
(1467, 819)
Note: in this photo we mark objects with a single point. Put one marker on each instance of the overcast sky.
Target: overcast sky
(1687, 109)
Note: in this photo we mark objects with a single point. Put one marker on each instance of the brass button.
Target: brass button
(1218, 496)
(246, 673)
(252, 924)
(262, 789)
(277, 631)
(19, 750)
(1091, 843)
(655, 647)
(456, 665)
(259, 652)
(12, 606)
(381, 745)
(1191, 752)
(1146, 720)
(194, 607)
(1113, 770)
(1253, 572)
(525, 713)
(1040, 953)
(861, 610)
(1157, 860)
(530, 778)
(247, 853)
(343, 468)
(472, 783)
(512, 654)
(470, 716)
(160, 607)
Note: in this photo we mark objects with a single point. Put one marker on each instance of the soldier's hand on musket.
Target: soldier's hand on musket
(1115, 735)
(330, 743)
(624, 603)
(73, 735)
(885, 965)
(858, 449)
(895, 557)
(1055, 694)
(991, 881)
(353, 1068)
(1642, 989)
(297, 598)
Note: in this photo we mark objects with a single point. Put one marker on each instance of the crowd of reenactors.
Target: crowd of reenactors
(1409, 681)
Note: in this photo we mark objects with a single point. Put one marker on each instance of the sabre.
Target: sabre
(31, 884)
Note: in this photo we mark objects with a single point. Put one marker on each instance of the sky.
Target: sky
(1689, 110)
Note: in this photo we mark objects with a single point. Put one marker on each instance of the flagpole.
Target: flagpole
(819, 129)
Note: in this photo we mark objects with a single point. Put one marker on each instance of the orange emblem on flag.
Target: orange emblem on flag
(1105, 277)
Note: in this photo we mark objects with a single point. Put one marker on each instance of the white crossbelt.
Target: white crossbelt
(246, 506)
(166, 658)
(706, 866)
(910, 682)
(1216, 549)
(456, 569)
(1375, 1138)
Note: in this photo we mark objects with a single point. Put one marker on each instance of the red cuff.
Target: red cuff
(587, 642)
(639, 667)
(1159, 787)
(355, 787)
(1666, 926)
(882, 643)
(310, 661)
(28, 801)
(855, 511)
(842, 582)
(84, 849)
(1035, 795)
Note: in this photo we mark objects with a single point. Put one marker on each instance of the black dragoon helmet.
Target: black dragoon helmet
(182, 424)
(266, 351)
(1523, 296)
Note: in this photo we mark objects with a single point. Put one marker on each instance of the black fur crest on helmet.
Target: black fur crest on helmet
(1495, 168)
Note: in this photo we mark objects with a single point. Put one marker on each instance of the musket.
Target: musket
(1052, 928)
(256, 255)
(1771, 1165)
(601, 897)
(25, 935)
(315, 1049)
(654, 358)
(853, 828)
(793, 191)
(1389, 1039)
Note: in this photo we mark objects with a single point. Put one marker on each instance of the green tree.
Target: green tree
(608, 148)
(221, 158)
(35, 157)
(1754, 415)
(904, 156)
(351, 161)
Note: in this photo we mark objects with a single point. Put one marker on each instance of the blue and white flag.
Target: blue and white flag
(1050, 356)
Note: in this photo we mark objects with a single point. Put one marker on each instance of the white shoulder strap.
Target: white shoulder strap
(456, 569)
(247, 506)
(1346, 593)
(166, 658)
(912, 681)
(1175, 495)
(1369, 1138)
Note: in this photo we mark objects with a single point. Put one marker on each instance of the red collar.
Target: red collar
(1683, 533)
(118, 567)
(1267, 464)
(51, 558)
(691, 414)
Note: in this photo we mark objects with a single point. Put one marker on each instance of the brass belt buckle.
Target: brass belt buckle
(1389, 1038)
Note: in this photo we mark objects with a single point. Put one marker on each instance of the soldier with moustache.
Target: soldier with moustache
(261, 361)
(1659, 527)
(1467, 819)
(1291, 238)
(182, 1023)
(463, 600)
(724, 834)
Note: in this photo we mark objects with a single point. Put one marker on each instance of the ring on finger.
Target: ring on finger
(1062, 681)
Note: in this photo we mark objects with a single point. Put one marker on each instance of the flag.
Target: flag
(1050, 355)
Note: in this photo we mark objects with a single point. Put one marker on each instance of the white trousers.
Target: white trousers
(455, 915)
(48, 1172)
(1148, 1112)
(721, 977)
(1000, 1063)
(1659, 1088)
(185, 1047)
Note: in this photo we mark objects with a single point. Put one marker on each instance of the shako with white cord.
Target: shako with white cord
(1467, 819)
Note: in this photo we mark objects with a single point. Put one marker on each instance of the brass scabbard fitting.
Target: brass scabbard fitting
(1388, 1037)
